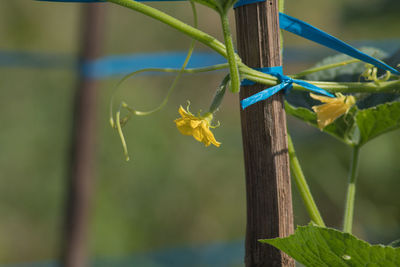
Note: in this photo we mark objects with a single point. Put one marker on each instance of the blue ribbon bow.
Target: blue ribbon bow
(286, 83)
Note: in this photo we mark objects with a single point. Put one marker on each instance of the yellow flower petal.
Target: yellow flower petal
(183, 127)
(194, 123)
(198, 127)
(333, 108)
(210, 139)
(198, 134)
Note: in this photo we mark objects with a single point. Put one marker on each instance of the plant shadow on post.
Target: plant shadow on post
(269, 200)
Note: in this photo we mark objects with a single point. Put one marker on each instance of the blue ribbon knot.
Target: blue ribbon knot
(285, 83)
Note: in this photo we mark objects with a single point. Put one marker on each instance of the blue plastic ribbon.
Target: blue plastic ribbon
(286, 83)
(311, 33)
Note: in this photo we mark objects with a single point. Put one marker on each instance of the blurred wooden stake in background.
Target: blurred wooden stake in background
(82, 151)
(269, 200)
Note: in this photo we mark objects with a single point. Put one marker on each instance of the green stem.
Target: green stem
(302, 186)
(174, 70)
(121, 134)
(166, 70)
(178, 76)
(351, 192)
(196, 34)
(230, 50)
(324, 67)
(281, 8)
(334, 87)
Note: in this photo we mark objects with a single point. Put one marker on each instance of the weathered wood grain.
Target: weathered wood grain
(269, 201)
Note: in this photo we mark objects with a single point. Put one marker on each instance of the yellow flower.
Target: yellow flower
(332, 109)
(198, 127)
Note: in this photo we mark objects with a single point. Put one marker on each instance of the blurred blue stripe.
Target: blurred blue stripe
(34, 264)
(24, 59)
(122, 64)
(108, 66)
(117, 65)
(210, 255)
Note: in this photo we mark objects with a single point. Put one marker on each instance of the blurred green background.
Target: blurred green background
(174, 191)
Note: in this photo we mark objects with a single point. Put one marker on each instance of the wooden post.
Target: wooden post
(80, 177)
(269, 201)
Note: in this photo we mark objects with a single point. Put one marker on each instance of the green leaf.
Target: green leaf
(221, 6)
(316, 246)
(301, 113)
(219, 94)
(395, 244)
(209, 3)
(357, 127)
(371, 100)
(378, 120)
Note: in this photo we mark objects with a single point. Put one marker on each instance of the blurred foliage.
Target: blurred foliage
(378, 16)
(174, 191)
(358, 9)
